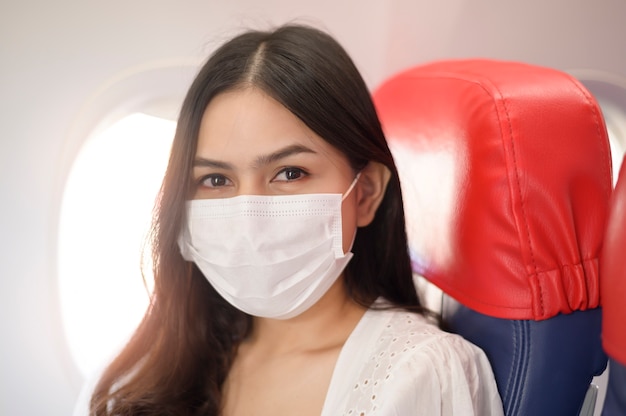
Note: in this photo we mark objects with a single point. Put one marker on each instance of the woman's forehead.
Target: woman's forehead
(248, 123)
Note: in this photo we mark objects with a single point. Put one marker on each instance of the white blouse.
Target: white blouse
(396, 363)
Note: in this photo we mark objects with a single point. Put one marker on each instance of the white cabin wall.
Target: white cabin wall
(56, 56)
(562, 34)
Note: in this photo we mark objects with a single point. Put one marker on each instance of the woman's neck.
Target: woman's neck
(327, 324)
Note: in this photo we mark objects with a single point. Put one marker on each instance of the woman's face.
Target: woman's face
(249, 144)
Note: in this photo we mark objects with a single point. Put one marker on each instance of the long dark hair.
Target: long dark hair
(180, 355)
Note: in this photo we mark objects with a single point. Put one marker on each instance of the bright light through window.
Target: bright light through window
(105, 218)
(616, 128)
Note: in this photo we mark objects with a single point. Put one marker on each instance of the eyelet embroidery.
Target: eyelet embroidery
(398, 338)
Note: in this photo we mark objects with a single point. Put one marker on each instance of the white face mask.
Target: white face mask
(268, 256)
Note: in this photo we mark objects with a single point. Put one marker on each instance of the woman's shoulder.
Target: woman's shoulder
(410, 334)
(412, 362)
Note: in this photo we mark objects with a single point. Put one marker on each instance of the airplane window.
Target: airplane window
(105, 216)
(616, 128)
(610, 91)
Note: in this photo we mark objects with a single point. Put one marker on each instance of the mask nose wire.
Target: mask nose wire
(352, 185)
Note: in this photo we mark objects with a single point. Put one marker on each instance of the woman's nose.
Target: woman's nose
(252, 186)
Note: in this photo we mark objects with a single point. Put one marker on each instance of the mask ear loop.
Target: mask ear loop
(345, 195)
(352, 185)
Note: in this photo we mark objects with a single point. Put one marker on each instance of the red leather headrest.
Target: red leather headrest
(506, 175)
(613, 272)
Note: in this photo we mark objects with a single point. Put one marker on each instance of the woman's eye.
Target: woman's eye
(290, 174)
(215, 181)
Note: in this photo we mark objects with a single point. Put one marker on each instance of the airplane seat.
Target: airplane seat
(613, 291)
(506, 175)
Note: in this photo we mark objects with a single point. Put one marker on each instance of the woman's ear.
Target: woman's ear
(370, 191)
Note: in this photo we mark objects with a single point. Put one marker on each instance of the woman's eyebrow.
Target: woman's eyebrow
(200, 162)
(287, 151)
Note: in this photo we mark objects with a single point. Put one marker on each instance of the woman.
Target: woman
(282, 278)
